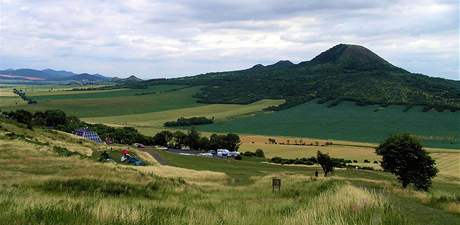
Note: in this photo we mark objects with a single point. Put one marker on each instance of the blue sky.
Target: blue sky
(173, 38)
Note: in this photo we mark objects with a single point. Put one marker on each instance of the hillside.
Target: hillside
(130, 79)
(86, 77)
(342, 73)
(41, 185)
(48, 75)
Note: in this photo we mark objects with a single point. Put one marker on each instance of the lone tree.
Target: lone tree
(404, 156)
(326, 162)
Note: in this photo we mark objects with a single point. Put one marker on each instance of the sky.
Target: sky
(171, 38)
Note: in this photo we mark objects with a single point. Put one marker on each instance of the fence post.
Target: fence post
(276, 184)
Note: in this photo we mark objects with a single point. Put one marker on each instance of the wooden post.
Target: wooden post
(276, 184)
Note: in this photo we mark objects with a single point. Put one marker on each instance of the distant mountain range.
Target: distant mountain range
(49, 75)
(342, 73)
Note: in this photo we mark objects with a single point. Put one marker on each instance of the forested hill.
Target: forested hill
(344, 72)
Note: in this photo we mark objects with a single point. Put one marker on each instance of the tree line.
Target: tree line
(22, 94)
(57, 119)
(194, 140)
(182, 122)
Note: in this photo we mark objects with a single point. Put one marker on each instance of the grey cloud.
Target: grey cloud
(184, 37)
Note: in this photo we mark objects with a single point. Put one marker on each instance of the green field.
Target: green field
(152, 122)
(113, 102)
(147, 110)
(349, 122)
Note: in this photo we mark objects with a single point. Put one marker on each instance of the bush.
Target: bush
(302, 161)
(366, 161)
(260, 153)
(249, 154)
(276, 159)
(365, 168)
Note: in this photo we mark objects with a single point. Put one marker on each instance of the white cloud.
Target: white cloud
(182, 37)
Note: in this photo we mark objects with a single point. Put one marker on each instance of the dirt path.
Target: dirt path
(157, 156)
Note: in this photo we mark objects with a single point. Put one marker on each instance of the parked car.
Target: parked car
(222, 153)
(206, 154)
(233, 154)
(139, 145)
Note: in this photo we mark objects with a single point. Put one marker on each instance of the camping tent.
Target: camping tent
(88, 134)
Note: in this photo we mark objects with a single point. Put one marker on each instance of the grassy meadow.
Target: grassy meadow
(40, 186)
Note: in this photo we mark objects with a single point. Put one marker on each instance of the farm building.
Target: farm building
(88, 134)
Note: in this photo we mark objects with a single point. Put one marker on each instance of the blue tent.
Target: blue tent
(88, 134)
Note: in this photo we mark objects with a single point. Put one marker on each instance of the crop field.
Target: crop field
(8, 98)
(448, 162)
(147, 110)
(11, 101)
(42, 187)
(114, 102)
(149, 123)
(349, 122)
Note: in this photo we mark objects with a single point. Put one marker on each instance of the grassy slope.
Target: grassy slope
(244, 171)
(349, 122)
(35, 190)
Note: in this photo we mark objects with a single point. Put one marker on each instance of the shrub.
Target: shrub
(260, 153)
(249, 154)
(276, 159)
